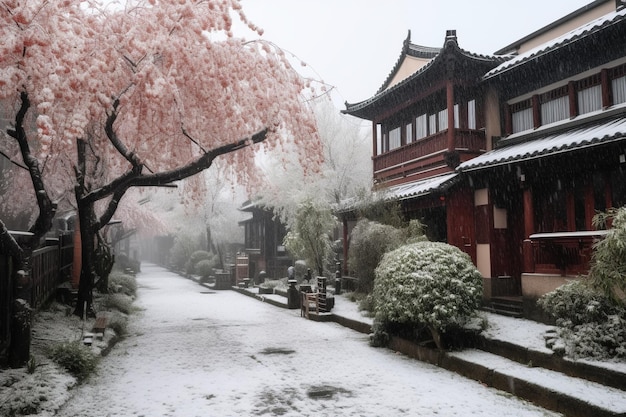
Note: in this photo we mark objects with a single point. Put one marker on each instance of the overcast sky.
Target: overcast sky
(353, 44)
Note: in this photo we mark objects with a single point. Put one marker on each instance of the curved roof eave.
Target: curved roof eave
(408, 49)
(450, 46)
(565, 39)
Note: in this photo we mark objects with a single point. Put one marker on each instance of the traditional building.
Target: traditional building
(264, 248)
(509, 156)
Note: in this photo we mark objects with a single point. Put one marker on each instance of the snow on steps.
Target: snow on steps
(509, 360)
(550, 389)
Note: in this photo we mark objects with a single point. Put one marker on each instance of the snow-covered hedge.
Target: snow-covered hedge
(590, 323)
(369, 242)
(429, 284)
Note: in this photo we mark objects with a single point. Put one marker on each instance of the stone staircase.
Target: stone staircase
(507, 306)
(574, 389)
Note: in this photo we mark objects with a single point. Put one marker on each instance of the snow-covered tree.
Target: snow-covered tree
(429, 285)
(309, 236)
(345, 172)
(138, 96)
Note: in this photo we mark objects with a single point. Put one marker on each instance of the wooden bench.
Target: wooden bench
(100, 325)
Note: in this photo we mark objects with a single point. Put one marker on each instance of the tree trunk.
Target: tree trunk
(84, 303)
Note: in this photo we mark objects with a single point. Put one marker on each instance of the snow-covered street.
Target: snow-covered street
(195, 352)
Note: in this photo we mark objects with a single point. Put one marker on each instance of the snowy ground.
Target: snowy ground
(196, 352)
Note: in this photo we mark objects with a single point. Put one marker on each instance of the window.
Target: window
(618, 85)
(555, 110)
(471, 114)
(590, 99)
(432, 124)
(442, 117)
(379, 140)
(409, 133)
(395, 138)
(456, 116)
(522, 120)
(421, 127)
(554, 105)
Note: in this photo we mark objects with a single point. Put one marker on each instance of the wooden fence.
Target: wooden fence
(50, 266)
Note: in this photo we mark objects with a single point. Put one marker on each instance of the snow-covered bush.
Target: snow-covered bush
(120, 302)
(123, 283)
(369, 242)
(205, 267)
(197, 256)
(576, 303)
(184, 246)
(590, 324)
(76, 358)
(429, 285)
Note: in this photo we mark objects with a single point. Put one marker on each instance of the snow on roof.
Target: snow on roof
(589, 135)
(569, 37)
(418, 188)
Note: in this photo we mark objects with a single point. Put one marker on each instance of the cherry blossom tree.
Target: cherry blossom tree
(141, 95)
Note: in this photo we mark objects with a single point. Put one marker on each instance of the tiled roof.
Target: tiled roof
(577, 138)
(450, 44)
(419, 188)
(567, 38)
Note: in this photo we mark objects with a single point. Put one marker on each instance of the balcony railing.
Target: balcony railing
(465, 140)
(564, 253)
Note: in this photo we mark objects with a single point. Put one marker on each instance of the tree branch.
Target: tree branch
(47, 209)
(135, 178)
(115, 141)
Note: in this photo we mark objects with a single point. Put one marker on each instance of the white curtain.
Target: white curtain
(619, 90)
(395, 138)
(590, 99)
(421, 127)
(522, 120)
(555, 110)
(471, 114)
(443, 119)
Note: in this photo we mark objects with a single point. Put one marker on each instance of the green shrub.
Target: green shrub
(428, 285)
(300, 270)
(197, 256)
(184, 246)
(590, 323)
(369, 242)
(76, 358)
(119, 324)
(607, 273)
(204, 268)
(576, 303)
(120, 302)
(122, 283)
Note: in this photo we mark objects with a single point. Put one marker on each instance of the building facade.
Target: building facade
(264, 250)
(509, 156)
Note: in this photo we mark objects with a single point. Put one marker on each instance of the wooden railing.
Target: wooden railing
(564, 253)
(472, 140)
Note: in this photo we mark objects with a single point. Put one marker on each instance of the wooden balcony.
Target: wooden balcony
(426, 152)
(563, 253)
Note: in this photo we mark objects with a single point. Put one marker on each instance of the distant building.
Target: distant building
(264, 248)
(509, 156)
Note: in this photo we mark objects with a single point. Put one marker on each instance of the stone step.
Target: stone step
(549, 389)
(550, 361)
